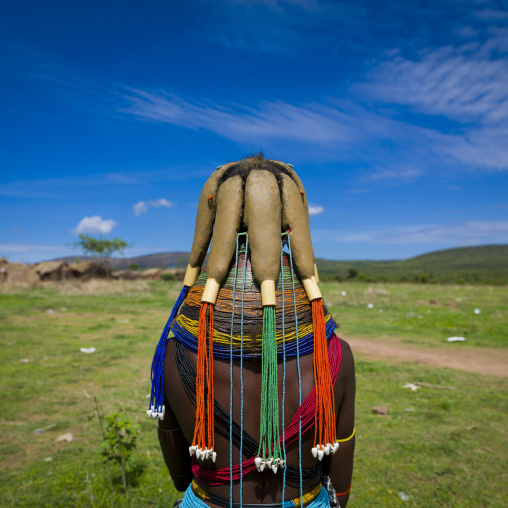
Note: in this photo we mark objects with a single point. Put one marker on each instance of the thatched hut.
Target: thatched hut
(86, 270)
(152, 274)
(126, 275)
(178, 273)
(51, 270)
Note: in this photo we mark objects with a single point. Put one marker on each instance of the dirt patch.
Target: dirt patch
(486, 361)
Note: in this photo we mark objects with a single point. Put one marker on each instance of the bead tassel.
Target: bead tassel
(269, 452)
(324, 416)
(203, 442)
(156, 407)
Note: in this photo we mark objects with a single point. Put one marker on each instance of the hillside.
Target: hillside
(160, 260)
(486, 264)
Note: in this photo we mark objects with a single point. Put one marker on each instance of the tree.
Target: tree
(352, 273)
(101, 247)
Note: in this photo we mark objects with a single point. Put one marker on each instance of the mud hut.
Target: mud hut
(178, 273)
(51, 270)
(126, 275)
(18, 275)
(86, 270)
(152, 274)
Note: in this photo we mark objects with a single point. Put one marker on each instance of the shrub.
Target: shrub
(119, 443)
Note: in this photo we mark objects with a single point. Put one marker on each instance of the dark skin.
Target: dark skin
(257, 487)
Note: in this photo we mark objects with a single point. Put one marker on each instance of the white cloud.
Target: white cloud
(316, 209)
(22, 248)
(393, 174)
(311, 123)
(466, 84)
(466, 233)
(491, 14)
(143, 206)
(33, 253)
(93, 225)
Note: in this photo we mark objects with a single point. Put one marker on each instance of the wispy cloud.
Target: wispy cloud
(94, 225)
(316, 209)
(491, 14)
(143, 206)
(466, 233)
(58, 187)
(466, 84)
(23, 248)
(33, 253)
(394, 174)
(309, 123)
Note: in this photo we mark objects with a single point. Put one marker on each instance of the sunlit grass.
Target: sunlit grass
(419, 313)
(450, 450)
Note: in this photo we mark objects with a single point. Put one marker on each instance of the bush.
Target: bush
(118, 445)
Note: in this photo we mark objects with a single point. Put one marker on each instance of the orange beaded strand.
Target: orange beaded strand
(324, 429)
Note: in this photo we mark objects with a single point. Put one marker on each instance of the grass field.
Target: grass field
(439, 447)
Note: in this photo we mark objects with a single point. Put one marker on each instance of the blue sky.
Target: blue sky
(394, 114)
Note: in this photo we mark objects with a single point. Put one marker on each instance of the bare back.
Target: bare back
(257, 487)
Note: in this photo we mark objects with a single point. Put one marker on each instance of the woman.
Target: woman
(255, 341)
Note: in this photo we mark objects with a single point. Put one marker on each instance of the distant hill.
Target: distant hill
(486, 264)
(160, 260)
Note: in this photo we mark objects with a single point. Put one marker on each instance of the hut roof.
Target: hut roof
(47, 267)
(152, 271)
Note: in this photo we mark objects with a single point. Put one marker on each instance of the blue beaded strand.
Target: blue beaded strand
(156, 407)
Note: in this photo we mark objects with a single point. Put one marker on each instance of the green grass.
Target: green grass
(422, 314)
(449, 451)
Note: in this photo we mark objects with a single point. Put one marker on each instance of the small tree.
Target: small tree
(101, 247)
(119, 443)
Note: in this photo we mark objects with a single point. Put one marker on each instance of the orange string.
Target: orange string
(200, 380)
(204, 436)
(211, 436)
(324, 418)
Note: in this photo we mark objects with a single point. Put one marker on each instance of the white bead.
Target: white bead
(214, 456)
(269, 463)
(198, 453)
(314, 451)
(327, 450)
(274, 468)
(262, 467)
(191, 450)
(149, 413)
(321, 454)
(257, 461)
(336, 447)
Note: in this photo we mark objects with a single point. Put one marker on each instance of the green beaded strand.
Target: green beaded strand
(269, 434)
